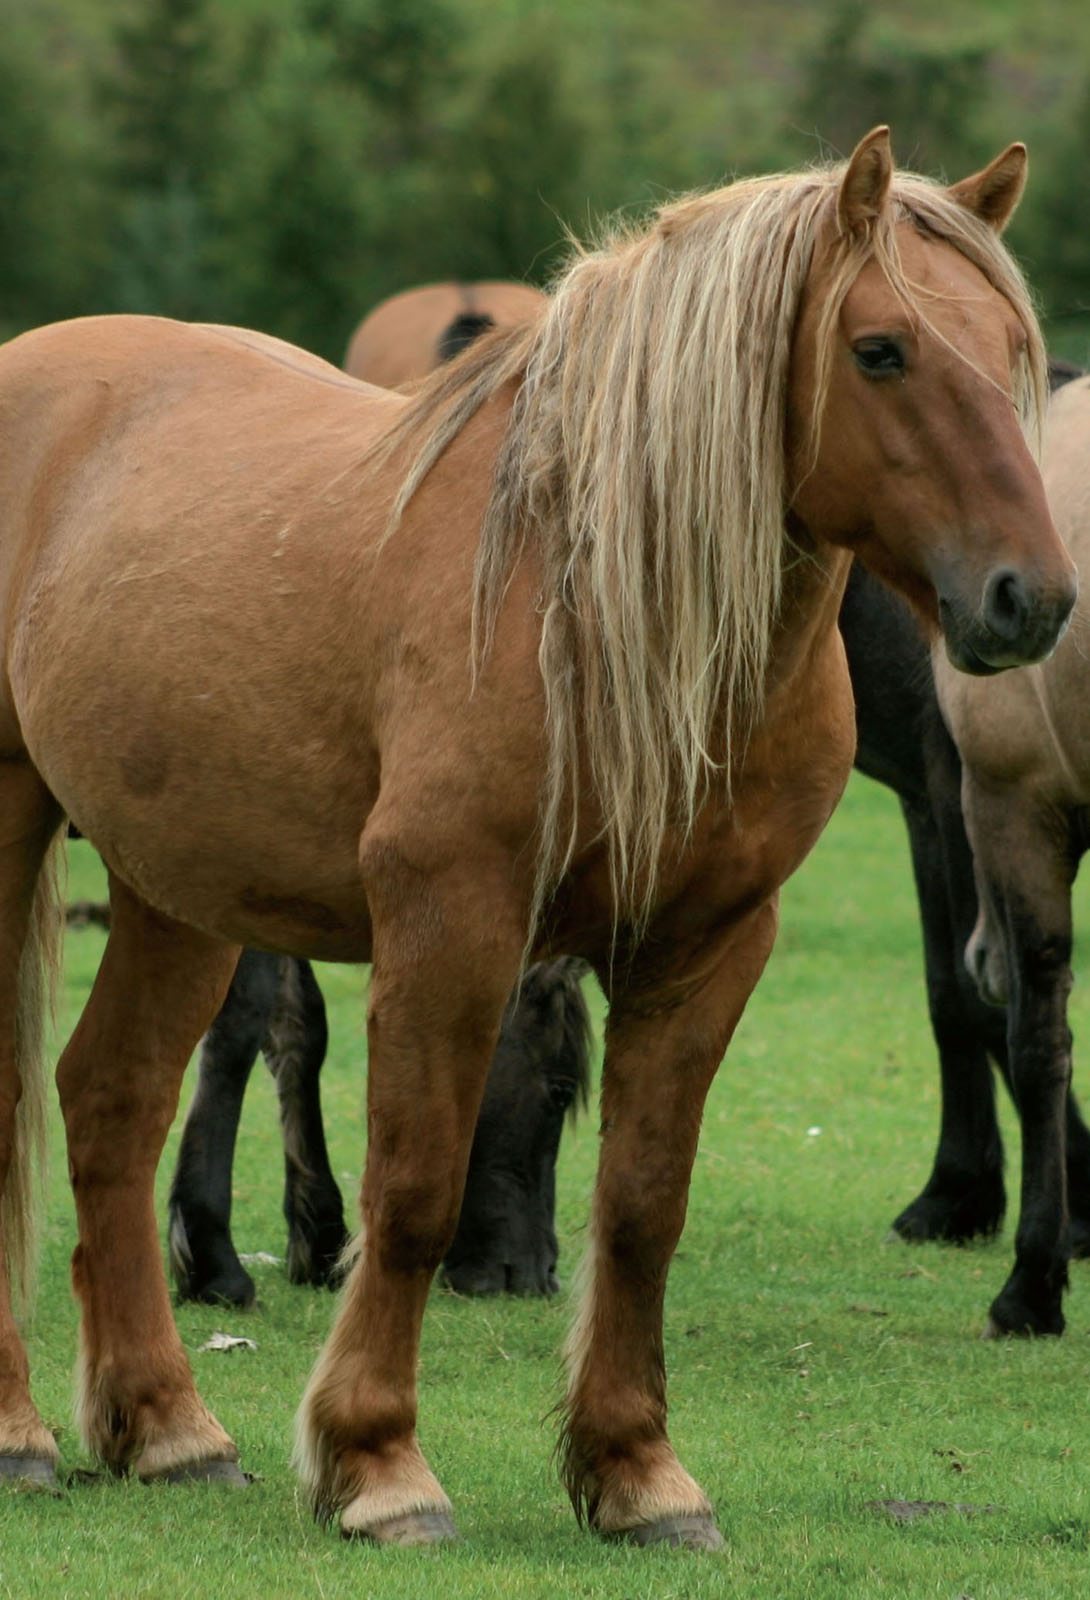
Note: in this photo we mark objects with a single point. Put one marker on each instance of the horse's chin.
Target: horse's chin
(962, 656)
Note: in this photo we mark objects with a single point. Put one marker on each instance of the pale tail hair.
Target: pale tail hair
(39, 969)
(644, 463)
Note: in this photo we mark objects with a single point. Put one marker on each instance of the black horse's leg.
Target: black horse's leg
(1078, 1179)
(1026, 862)
(295, 1049)
(202, 1256)
(964, 1197)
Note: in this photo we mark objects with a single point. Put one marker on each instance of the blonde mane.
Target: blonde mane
(644, 462)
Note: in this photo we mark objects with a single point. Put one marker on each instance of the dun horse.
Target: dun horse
(1026, 755)
(552, 665)
(411, 333)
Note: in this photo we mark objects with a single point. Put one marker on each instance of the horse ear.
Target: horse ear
(866, 180)
(993, 194)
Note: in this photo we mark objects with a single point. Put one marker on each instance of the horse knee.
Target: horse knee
(413, 1221)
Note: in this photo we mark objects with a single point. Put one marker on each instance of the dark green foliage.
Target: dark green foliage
(286, 163)
(48, 257)
(513, 170)
(931, 95)
(1054, 233)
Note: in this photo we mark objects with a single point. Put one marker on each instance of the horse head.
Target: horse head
(915, 352)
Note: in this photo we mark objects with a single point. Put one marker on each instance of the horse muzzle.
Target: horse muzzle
(1015, 622)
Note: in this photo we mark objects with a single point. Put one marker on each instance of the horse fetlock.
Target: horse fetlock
(632, 1495)
(372, 1489)
(621, 1483)
(148, 1426)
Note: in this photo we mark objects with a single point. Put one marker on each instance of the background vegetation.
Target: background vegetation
(815, 1368)
(286, 163)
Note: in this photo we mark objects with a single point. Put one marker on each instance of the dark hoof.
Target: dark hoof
(994, 1329)
(229, 1289)
(418, 1527)
(31, 1472)
(226, 1472)
(680, 1533)
(954, 1215)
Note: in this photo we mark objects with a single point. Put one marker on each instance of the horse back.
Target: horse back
(406, 336)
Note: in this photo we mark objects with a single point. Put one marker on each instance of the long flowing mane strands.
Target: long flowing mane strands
(644, 462)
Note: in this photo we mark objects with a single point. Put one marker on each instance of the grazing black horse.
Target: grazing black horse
(904, 743)
(506, 1239)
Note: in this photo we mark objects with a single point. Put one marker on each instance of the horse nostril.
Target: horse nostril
(1006, 605)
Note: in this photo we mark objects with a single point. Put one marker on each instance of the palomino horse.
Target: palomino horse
(541, 658)
(408, 335)
(1026, 754)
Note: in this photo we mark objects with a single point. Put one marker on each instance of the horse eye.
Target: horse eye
(878, 358)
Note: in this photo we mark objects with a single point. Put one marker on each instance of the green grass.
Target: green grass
(814, 1367)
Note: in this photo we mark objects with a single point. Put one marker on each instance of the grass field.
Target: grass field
(815, 1367)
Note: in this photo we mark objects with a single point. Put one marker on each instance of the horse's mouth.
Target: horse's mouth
(962, 656)
(974, 647)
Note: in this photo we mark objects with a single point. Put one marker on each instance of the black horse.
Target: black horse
(506, 1238)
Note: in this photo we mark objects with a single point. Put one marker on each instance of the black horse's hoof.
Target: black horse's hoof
(29, 1472)
(234, 1289)
(680, 1533)
(1012, 1320)
(417, 1527)
(954, 1213)
(223, 1472)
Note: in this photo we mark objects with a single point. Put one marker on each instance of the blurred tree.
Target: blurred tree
(293, 203)
(399, 54)
(512, 172)
(931, 96)
(49, 256)
(1051, 230)
(166, 104)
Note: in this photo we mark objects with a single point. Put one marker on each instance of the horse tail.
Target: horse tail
(39, 968)
(457, 335)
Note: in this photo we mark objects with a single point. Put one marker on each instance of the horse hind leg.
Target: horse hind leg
(157, 989)
(30, 929)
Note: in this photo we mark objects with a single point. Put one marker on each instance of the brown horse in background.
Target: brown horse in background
(543, 657)
(1025, 748)
(410, 334)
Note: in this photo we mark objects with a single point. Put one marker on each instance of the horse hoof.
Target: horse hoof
(680, 1533)
(31, 1472)
(418, 1527)
(225, 1472)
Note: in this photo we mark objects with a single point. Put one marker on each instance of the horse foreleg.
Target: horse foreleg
(295, 1049)
(661, 1055)
(446, 954)
(203, 1258)
(157, 989)
(1026, 863)
(29, 921)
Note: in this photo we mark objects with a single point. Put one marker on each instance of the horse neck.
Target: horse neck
(814, 580)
